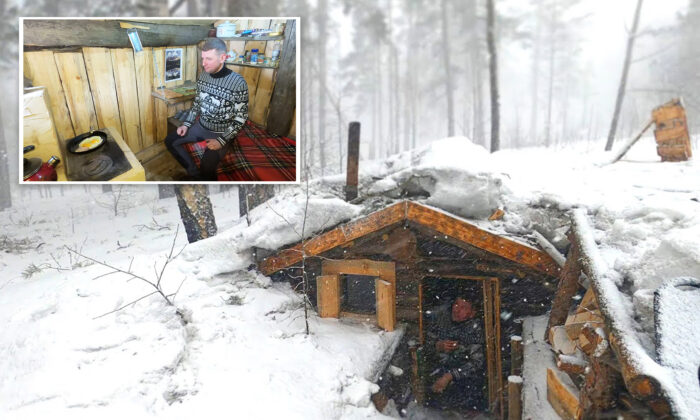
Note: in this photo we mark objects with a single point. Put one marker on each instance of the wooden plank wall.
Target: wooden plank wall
(107, 87)
(97, 87)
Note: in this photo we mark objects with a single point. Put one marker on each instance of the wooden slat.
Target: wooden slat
(261, 103)
(190, 65)
(76, 86)
(40, 67)
(98, 64)
(161, 120)
(125, 78)
(385, 293)
(482, 239)
(106, 33)
(158, 67)
(562, 396)
(328, 295)
(143, 62)
(338, 236)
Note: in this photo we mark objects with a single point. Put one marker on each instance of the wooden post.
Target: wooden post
(386, 304)
(353, 161)
(328, 295)
(515, 387)
(516, 355)
(283, 100)
(568, 283)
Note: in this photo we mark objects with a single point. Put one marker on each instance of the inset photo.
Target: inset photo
(159, 100)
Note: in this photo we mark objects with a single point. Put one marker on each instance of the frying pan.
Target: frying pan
(74, 143)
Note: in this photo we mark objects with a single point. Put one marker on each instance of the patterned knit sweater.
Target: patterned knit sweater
(221, 104)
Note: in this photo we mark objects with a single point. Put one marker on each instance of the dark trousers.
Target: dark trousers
(210, 160)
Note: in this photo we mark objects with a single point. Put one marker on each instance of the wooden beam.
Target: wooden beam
(338, 236)
(472, 235)
(328, 295)
(51, 33)
(283, 101)
(385, 293)
(385, 270)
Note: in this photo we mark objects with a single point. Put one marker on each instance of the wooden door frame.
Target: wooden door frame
(491, 288)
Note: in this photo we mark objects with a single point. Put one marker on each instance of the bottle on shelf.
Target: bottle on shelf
(254, 56)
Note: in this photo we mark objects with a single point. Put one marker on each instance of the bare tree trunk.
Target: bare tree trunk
(550, 95)
(493, 76)
(5, 187)
(195, 211)
(535, 77)
(448, 71)
(321, 24)
(251, 196)
(477, 89)
(623, 79)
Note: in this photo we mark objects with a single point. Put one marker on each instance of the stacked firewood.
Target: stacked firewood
(593, 377)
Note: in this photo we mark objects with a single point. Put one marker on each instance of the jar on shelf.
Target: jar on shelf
(261, 59)
(254, 56)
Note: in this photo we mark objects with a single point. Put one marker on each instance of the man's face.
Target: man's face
(212, 61)
(462, 310)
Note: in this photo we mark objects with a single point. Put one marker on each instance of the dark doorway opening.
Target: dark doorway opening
(358, 294)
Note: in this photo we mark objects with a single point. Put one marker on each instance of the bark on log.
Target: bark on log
(599, 389)
(196, 211)
(568, 284)
(641, 386)
(571, 364)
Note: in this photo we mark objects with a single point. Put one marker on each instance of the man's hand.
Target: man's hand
(213, 144)
(446, 346)
(182, 130)
(442, 383)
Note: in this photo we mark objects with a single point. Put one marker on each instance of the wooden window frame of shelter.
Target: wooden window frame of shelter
(328, 289)
(491, 288)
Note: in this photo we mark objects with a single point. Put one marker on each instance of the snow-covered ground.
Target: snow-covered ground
(242, 352)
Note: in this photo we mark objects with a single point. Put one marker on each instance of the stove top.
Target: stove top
(101, 164)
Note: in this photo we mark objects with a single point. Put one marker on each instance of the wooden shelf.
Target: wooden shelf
(252, 38)
(259, 66)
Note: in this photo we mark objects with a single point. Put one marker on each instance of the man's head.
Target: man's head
(462, 310)
(213, 55)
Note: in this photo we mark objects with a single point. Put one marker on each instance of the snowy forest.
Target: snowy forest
(507, 166)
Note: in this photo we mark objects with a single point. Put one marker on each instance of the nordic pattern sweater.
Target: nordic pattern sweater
(221, 104)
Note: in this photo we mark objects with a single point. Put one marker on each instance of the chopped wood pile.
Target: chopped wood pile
(672, 138)
(595, 375)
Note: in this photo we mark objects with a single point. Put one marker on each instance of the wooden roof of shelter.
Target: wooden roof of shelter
(436, 220)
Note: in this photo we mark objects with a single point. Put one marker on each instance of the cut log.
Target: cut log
(515, 388)
(592, 340)
(549, 248)
(575, 322)
(568, 283)
(589, 302)
(563, 395)
(560, 341)
(571, 364)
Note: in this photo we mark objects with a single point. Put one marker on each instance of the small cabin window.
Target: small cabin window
(358, 294)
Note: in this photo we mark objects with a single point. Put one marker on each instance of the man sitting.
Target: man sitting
(221, 103)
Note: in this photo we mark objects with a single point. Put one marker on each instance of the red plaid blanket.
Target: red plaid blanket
(255, 155)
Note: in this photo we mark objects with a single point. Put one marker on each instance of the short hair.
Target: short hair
(214, 44)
